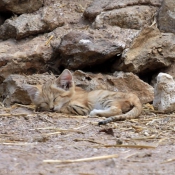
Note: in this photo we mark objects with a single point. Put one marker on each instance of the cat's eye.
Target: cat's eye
(55, 99)
(43, 104)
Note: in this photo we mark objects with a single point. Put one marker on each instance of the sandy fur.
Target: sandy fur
(61, 95)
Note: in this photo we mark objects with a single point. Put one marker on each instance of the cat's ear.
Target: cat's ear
(65, 80)
(31, 90)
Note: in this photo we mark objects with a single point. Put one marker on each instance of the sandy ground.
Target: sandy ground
(140, 146)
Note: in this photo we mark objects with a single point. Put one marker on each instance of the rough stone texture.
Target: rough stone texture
(44, 20)
(164, 93)
(79, 50)
(13, 91)
(166, 16)
(97, 6)
(120, 81)
(150, 50)
(19, 57)
(134, 17)
(20, 7)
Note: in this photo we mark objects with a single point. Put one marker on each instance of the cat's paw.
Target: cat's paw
(93, 114)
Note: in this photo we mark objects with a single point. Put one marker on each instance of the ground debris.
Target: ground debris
(107, 131)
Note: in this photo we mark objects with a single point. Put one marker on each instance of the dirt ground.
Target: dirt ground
(29, 139)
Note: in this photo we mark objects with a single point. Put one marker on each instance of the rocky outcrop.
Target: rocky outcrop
(14, 92)
(44, 20)
(166, 16)
(150, 50)
(20, 7)
(164, 93)
(134, 17)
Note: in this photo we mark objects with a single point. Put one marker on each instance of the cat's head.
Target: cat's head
(52, 95)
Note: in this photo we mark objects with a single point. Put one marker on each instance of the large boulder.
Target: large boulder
(98, 6)
(166, 16)
(20, 7)
(134, 17)
(44, 20)
(13, 91)
(29, 56)
(149, 51)
(164, 93)
(79, 50)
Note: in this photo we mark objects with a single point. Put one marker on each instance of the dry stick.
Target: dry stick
(81, 127)
(16, 143)
(131, 155)
(49, 40)
(26, 106)
(168, 160)
(59, 130)
(8, 115)
(52, 133)
(82, 160)
(76, 116)
(68, 116)
(132, 146)
(88, 140)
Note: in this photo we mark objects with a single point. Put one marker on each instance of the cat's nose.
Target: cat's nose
(52, 109)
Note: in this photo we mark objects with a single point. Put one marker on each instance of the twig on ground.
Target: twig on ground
(82, 160)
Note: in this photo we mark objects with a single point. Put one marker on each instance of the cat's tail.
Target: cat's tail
(133, 113)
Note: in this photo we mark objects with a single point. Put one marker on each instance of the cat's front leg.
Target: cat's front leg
(95, 113)
(105, 112)
(78, 109)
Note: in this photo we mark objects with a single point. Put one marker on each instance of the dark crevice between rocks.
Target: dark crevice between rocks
(105, 67)
(149, 77)
(54, 66)
(4, 16)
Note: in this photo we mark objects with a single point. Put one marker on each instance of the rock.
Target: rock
(134, 17)
(98, 6)
(120, 81)
(149, 51)
(29, 56)
(166, 16)
(13, 91)
(79, 50)
(95, 8)
(164, 93)
(44, 20)
(170, 70)
(20, 7)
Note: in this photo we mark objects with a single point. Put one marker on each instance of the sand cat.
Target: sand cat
(61, 95)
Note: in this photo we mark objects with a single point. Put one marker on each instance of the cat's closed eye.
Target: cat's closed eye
(54, 100)
(44, 104)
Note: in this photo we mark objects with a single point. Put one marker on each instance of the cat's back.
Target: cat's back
(100, 95)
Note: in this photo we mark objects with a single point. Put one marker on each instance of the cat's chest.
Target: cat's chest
(98, 105)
